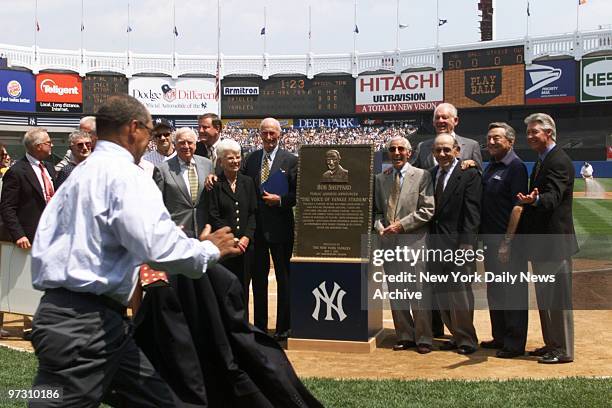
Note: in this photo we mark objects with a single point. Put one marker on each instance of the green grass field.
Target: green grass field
(18, 368)
(593, 224)
(605, 182)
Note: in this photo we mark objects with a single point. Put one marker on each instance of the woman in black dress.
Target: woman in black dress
(232, 203)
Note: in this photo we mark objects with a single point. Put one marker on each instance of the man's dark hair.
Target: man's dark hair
(214, 118)
(117, 111)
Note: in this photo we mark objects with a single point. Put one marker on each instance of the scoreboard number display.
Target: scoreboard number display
(287, 96)
(491, 57)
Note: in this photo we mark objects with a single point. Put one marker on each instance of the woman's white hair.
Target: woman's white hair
(227, 145)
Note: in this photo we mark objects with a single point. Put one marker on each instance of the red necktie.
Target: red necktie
(47, 183)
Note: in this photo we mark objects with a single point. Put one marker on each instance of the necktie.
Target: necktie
(394, 197)
(193, 182)
(212, 155)
(265, 169)
(46, 182)
(440, 185)
(536, 171)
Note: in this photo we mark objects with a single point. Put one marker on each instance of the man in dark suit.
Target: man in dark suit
(548, 211)
(181, 181)
(454, 227)
(209, 132)
(274, 231)
(445, 120)
(27, 188)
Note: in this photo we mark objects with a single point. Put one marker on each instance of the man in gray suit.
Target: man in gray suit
(404, 204)
(445, 120)
(181, 181)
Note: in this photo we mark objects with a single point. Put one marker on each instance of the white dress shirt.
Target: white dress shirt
(185, 173)
(105, 221)
(35, 163)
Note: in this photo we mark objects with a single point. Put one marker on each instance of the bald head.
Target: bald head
(270, 131)
(445, 149)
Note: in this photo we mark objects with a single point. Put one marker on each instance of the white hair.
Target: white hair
(449, 106)
(546, 121)
(187, 132)
(227, 145)
(406, 142)
(33, 137)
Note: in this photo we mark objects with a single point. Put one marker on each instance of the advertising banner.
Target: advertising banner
(474, 88)
(61, 93)
(183, 96)
(97, 89)
(288, 96)
(326, 123)
(550, 82)
(17, 91)
(413, 91)
(596, 79)
(253, 123)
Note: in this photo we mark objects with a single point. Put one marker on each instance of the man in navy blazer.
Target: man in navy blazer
(274, 231)
(27, 188)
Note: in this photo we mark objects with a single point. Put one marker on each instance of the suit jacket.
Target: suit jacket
(176, 195)
(553, 213)
(423, 157)
(456, 219)
(415, 206)
(201, 150)
(234, 209)
(23, 200)
(275, 223)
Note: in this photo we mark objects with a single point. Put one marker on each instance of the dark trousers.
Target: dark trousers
(281, 255)
(241, 266)
(507, 302)
(86, 348)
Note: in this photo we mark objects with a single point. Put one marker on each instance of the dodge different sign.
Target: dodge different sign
(60, 93)
(166, 96)
(17, 91)
(414, 91)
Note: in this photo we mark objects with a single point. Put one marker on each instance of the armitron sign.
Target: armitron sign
(61, 93)
(414, 91)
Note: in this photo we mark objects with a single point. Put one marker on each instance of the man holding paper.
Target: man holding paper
(274, 171)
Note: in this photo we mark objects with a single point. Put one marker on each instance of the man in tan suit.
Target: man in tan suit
(404, 203)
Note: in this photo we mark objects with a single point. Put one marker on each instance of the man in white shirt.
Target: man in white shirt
(102, 225)
(163, 135)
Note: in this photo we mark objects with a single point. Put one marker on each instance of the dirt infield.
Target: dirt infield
(593, 336)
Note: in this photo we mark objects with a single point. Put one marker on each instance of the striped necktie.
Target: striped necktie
(265, 168)
(193, 182)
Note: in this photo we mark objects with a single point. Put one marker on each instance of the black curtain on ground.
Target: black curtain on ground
(196, 334)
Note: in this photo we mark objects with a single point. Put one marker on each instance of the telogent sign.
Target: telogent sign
(596, 80)
(61, 93)
(414, 91)
(551, 82)
(184, 96)
(17, 91)
(326, 123)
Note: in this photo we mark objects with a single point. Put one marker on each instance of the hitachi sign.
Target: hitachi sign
(392, 82)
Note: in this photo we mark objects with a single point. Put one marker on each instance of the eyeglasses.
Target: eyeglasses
(48, 143)
(160, 135)
(399, 149)
(443, 149)
(144, 125)
(83, 144)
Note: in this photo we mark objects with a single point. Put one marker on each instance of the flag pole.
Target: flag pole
(35, 30)
(129, 30)
(82, 28)
(577, 14)
(355, 30)
(174, 33)
(528, 15)
(218, 76)
(437, 23)
(309, 29)
(397, 28)
(265, 29)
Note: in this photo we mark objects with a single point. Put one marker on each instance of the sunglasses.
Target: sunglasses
(83, 144)
(399, 149)
(165, 134)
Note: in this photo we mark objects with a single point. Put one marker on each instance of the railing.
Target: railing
(576, 45)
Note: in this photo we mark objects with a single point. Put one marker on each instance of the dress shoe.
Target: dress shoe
(424, 348)
(27, 335)
(539, 352)
(282, 336)
(403, 345)
(438, 334)
(448, 345)
(491, 344)
(465, 350)
(554, 357)
(503, 353)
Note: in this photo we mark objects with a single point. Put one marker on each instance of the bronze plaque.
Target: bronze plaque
(334, 204)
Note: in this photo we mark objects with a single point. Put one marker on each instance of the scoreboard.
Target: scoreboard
(287, 96)
(490, 57)
(97, 89)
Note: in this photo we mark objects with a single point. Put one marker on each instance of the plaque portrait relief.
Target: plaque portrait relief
(335, 173)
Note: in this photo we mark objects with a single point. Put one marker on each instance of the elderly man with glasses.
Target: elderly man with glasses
(80, 147)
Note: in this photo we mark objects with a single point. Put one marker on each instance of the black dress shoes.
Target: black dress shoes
(539, 352)
(424, 348)
(491, 344)
(465, 350)
(403, 345)
(448, 345)
(27, 335)
(503, 353)
(554, 357)
(282, 336)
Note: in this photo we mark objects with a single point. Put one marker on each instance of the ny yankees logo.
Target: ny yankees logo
(320, 294)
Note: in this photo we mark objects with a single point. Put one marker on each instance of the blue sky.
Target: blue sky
(287, 24)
